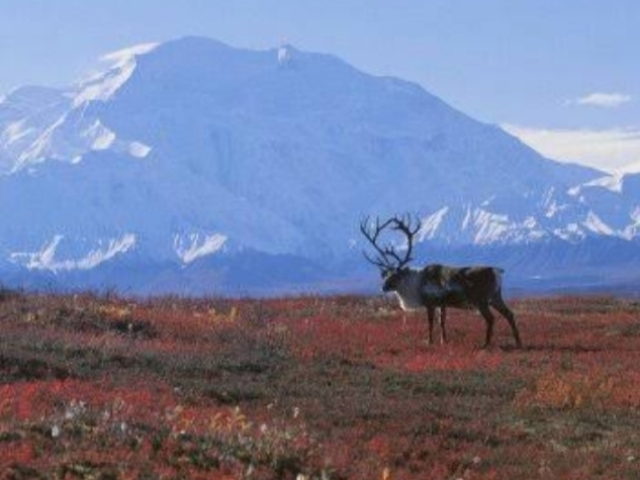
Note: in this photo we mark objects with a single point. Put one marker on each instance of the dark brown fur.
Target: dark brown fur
(467, 287)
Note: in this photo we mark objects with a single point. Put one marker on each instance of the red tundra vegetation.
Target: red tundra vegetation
(103, 387)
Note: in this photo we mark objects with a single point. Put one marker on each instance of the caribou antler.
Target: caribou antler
(387, 258)
(382, 260)
(406, 226)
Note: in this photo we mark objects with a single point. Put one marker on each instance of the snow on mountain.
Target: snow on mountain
(195, 246)
(47, 257)
(102, 86)
(191, 150)
(25, 115)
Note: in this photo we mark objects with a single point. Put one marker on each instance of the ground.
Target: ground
(314, 388)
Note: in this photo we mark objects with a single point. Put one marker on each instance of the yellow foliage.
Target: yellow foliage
(386, 473)
(567, 390)
(218, 318)
(114, 311)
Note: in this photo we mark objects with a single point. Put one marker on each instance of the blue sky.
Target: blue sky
(562, 75)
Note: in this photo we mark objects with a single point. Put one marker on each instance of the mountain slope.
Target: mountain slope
(192, 151)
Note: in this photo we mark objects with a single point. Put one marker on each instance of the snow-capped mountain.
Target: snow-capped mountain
(192, 160)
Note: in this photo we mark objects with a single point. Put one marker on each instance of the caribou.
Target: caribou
(435, 287)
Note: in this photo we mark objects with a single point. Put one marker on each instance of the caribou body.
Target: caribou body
(437, 287)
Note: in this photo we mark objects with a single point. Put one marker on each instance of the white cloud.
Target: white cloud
(606, 100)
(614, 150)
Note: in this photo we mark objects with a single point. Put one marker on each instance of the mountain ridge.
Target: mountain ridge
(189, 152)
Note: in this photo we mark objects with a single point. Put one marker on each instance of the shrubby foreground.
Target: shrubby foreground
(314, 388)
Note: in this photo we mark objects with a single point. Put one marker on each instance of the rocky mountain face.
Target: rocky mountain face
(194, 167)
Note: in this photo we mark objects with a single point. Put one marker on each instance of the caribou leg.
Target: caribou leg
(431, 314)
(500, 306)
(443, 326)
(490, 320)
